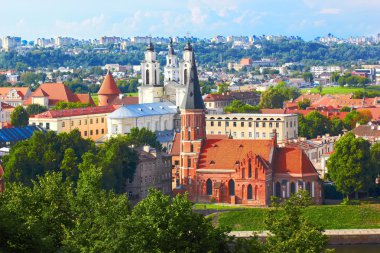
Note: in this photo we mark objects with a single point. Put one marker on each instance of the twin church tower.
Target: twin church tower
(176, 76)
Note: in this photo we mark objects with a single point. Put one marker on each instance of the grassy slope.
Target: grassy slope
(340, 90)
(328, 217)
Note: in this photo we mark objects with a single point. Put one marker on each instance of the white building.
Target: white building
(318, 70)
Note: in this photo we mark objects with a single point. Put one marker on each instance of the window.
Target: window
(249, 192)
(191, 147)
(264, 124)
(257, 124)
(188, 162)
(212, 123)
(308, 187)
(250, 134)
(242, 124)
(102, 131)
(102, 120)
(219, 123)
(91, 132)
(277, 125)
(97, 120)
(90, 121)
(242, 134)
(231, 187)
(286, 124)
(292, 188)
(249, 168)
(249, 124)
(291, 124)
(257, 135)
(209, 187)
(96, 131)
(85, 121)
(63, 124)
(227, 123)
(256, 173)
(270, 124)
(79, 122)
(47, 126)
(219, 132)
(212, 132)
(235, 134)
(278, 190)
(85, 133)
(264, 135)
(234, 124)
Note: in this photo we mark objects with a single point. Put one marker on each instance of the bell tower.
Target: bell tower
(150, 91)
(193, 131)
(171, 70)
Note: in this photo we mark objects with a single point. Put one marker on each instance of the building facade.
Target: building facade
(152, 171)
(253, 126)
(90, 121)
(215, 103)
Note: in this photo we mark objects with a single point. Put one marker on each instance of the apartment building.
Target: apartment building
(153, 171)
(253, 126)
(90, 121)
(318, 70)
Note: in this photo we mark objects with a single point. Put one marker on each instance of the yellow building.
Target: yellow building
(90, 121)
(253, 126)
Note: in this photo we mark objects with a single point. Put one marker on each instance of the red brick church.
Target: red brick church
(232, 171)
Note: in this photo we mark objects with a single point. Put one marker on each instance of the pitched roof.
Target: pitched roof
(375, 111)
(40, 93)
(109, 86)
(86, 99)
(193, 97)
(292, 160)
(17, 133)
(124, 101)
(175, 150)
(56, 92)
(143, 110)
(22, 91)
(76, 112)
(230, 96)
(367, 131)
(223, 154)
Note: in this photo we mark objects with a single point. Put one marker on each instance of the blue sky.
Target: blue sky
(31, 19)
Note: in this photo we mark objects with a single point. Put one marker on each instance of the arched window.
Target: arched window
(231, 186)
(191, 147)
(278, 190)
(249, 168)
(209, 187)
(185, 76)
(243, 172)
(256, 173)
(292, 188)
(155, 76)
(256, 192)
(249, 192)
(308, 187)
(147, 76)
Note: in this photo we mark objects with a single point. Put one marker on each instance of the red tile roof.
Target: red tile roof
(76, 112)
(176, 145)
(56, 92)
(40, 93)
(292, 160)
(367, 131)
(375, 111)
(20, 90)
(124, 101)
(86, 99)
(109, 86)
(223, 154)
(229, 96)
(6, 106)
(312, 97)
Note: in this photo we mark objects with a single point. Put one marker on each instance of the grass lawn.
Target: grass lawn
(327, 216)
(132, 94)
(217, 207)
(340, 90)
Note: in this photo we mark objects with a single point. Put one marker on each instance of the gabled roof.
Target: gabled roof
(292, 160)
(193, 97)
(56, 92)
(223, 154)
(366, 131)
(86, 99)
(109, 86)
(40, 93)
(22, 91)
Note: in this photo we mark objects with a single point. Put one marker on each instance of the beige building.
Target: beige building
(90, 121)
(153, 171)
(253, 126)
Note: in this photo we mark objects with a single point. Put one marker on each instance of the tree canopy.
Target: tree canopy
(33, 109)
(275, 96)
(238, 106)
(354, 117)
(19, 117)
(61, 105)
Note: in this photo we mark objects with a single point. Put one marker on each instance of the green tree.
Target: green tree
(223, 88)
(275, 97)
(308, 77)
(361, 117)
(317, 124)
(375, 158)
(290, 232)
(238, 106)
(159, 224)
(69, 105)
(349, 165)
(336, 126)
(303, 104)
(345, 109)
(19, 117)
(143, 136)
(33, 109)
(335, 77)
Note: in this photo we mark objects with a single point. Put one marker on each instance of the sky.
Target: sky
(88, 19)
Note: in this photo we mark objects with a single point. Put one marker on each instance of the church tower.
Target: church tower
(193, 131)
(150, 91)
(108, 91)
(171, 70)
(186, 64)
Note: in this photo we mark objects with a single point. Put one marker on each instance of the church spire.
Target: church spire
(193, 98)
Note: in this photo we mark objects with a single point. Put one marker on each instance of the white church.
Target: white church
(159, 103)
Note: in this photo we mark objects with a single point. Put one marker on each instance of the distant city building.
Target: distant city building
(253, 126)
(153, 171)
(9, 43)
(265, 62)
(104, 40)
(318, 70)
(14, 95)
(215, 103)
(64, 41)
(5, 115)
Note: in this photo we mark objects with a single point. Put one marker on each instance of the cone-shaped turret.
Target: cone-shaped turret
(109, 86)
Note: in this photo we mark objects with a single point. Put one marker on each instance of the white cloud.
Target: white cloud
(92, 23)
(332, 11)
(197, 16)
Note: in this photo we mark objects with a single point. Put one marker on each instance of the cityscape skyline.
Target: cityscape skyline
(199, 18)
